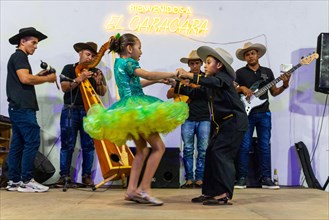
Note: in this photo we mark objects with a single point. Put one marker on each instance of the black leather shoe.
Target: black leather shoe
(62, 181)
(213, 201)
(187, 185)
(87, 180)
(200, 199)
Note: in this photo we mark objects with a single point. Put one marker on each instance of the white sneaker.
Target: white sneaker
(12, 186)
(32, 186)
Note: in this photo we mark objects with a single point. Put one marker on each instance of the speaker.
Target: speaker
(253, 166)
(42, 169)
(167, 174)
(253, 169)
(322, 64)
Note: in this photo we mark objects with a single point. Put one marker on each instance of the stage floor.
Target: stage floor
(83, 203)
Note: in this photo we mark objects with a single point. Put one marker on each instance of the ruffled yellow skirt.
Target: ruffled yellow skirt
(133, 116)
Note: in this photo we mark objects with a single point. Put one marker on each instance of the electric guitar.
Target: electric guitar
(254, 100)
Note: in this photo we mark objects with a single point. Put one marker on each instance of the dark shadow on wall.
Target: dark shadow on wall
(303, 100)
(48, 117)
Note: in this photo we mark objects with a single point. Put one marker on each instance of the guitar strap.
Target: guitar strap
(263, 77)
(256, 84)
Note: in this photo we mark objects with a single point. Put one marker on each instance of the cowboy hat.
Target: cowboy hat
(192, 56)
(220, 54)
(24, 32)
(250, 46)
(86, 46)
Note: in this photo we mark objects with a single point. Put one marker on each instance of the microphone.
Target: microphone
(66, 78)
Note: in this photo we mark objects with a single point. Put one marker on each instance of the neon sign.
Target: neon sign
(159, 19)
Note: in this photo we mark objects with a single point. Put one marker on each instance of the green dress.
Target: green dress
(135, 113)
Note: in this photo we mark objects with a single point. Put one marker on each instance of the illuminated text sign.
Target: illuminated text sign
(159, 19)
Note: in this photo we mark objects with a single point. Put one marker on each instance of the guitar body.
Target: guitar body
(251, 103)
(254, 100)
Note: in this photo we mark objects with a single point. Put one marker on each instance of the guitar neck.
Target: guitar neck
(264, 89)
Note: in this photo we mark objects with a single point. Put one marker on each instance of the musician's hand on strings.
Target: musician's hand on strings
(285, 79)
(85, 74)
(247, 92)
(98, 76)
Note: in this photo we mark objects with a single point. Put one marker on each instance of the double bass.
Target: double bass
(115, 161)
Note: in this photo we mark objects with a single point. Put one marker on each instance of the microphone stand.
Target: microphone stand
(66, 180)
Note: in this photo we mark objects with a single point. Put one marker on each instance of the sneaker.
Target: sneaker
(32, 186)
(267, 183)
(12, 186)
(241, 183)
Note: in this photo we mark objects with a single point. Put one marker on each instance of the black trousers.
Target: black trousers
(219, 174)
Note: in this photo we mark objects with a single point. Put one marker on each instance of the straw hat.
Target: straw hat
(222, 55)
(24, 32)
(192, 56)
(86, 46)
(250, 46)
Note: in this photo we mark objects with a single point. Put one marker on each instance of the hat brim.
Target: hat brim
(186, 60)
(82, 46)
(15, 39)
(205, 51)
(259, 47)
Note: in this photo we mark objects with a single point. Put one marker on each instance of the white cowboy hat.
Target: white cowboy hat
(192, 56)
(250, 46)
(222, 55)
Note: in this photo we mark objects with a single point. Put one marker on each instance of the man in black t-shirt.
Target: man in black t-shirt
(251, 77)
(73, 112)
(22, 109)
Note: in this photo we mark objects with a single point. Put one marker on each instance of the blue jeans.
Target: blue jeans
(24, 144)
(262, 122)
(189, 129)
(71, 123)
